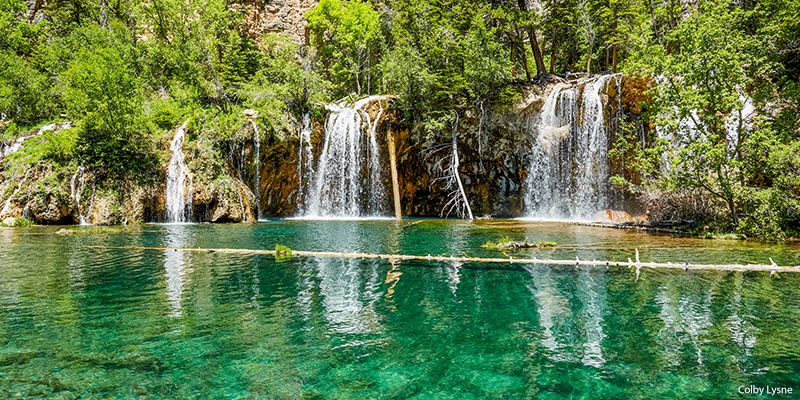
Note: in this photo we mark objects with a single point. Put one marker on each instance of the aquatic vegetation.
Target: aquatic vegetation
(509, 243)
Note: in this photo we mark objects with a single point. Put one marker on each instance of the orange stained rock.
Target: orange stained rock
(612, 216)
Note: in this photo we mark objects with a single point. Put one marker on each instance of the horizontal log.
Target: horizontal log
(772, 268)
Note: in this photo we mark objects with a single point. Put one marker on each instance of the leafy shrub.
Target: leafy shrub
(23, 222)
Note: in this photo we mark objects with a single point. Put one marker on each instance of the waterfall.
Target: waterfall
(569, 174)
(305, 156)
(7, 204)
(257, 140)
(347, 178)
(76, 185)
(16, 145)
(179, 200)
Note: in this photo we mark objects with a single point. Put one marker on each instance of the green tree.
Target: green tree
(102, 91)
(347, 38)
(701, 94)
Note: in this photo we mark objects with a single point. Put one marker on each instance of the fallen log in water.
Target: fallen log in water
(772, 268)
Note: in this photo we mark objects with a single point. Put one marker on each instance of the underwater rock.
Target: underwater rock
(613, 216)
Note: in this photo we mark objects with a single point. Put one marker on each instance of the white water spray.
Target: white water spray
(569, 175)
(305, 157)
(347, 181)
(7, 205)
(76, 185)
(179, 183)
(257, 140)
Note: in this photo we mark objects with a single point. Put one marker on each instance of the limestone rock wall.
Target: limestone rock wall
(288, 16)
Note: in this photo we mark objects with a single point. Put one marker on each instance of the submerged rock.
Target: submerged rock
(612, 216)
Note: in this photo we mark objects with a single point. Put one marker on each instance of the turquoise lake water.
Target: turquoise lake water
(102, 322)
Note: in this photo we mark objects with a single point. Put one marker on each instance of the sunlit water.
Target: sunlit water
(99, 322)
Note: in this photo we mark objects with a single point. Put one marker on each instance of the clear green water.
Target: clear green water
(81, 322)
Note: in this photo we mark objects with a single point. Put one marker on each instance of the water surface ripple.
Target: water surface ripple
(94, 322)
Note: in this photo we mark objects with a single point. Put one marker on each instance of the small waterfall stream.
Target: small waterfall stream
(256, 187)
(569, 174)
(347, 180)
(305, 155)
(179, 189)
(76, 185)
(17, 144)
(7, 204)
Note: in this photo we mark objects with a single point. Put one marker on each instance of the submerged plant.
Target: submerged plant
(282, 250)
(508, 243)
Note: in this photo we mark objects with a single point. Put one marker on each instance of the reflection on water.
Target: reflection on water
(594, 309)
(87, 321)
(348, 292)
(174, 264)
(686, 317)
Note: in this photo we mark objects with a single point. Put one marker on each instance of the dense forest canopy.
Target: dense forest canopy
(124, 72)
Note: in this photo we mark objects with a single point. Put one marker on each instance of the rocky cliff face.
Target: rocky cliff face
(494, 151)
(286, 16)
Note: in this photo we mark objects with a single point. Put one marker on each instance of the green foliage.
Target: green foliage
(281, 82)
(640, 166)
(25, 94)
(16, 35)
(282, 253)
(703, 84)
(22, 222)
(102, 90)
(57, 147)
(347, 36)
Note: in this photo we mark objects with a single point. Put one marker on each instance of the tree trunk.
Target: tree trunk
(524, 56)
(732, 206)
(553, 51)
(537, 54)
(589, 59)
(525, 61)
(395, 185)
(616, 33)
(614, 62)
(455, 171)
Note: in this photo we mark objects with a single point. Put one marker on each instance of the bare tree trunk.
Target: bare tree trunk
(614, 63)
(537, 54)
(395, 185)
(553, 51)
(589, 59)
(525, 63)
(455, 171)
(523, 55)
(616, 33)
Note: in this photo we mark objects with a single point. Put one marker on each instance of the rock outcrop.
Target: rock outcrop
(287, 16)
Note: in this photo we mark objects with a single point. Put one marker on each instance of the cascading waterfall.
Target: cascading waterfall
(179, 199)
(16, 145)
(7, 204)
(76, 185)
(257, 140)
(347, 179)
(569, 175)
(305, 156)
